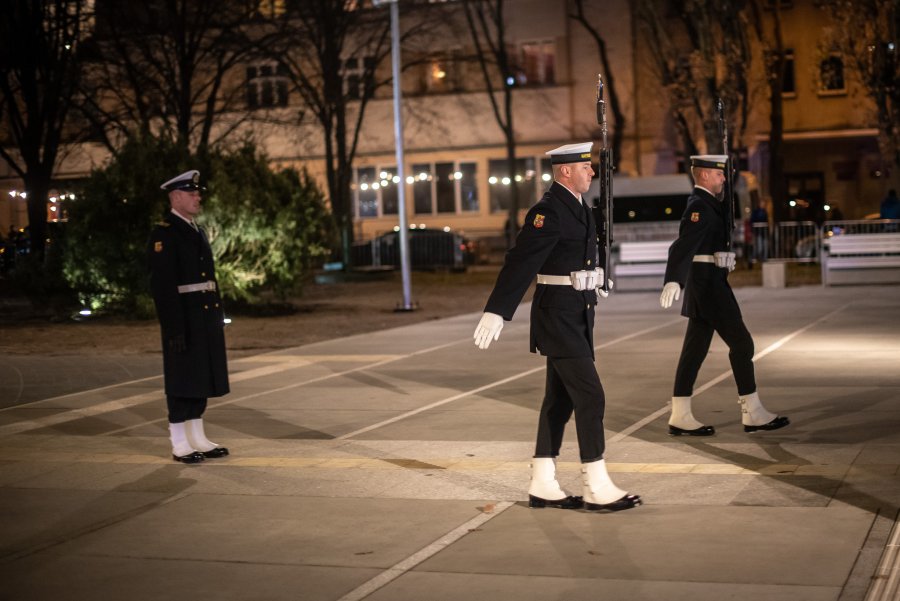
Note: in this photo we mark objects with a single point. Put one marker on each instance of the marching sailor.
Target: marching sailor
(185, 292)
(699, 264)
(558, 245)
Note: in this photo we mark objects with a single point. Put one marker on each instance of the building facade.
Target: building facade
(455, 155)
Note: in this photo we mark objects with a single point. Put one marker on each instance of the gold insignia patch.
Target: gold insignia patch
(157, 246)
(695, 217)
(538, 221)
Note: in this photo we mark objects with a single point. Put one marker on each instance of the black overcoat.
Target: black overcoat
(707, 294)
(177, 255)
(558, 237)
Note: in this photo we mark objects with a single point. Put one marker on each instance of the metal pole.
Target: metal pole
(401, 170)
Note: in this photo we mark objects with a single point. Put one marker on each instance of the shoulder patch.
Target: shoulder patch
(538, 221)
(157, 246)
(695, 217)
(163, 224)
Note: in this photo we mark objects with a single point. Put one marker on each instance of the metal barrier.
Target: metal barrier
(428, 249)
(793, 241)
(803, 241)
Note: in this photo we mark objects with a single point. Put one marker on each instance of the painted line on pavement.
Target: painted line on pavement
(455, 464)
(769, 349)
(401, 567)
(254, 395)
(886, 580)
(494, 384)
(289, 362)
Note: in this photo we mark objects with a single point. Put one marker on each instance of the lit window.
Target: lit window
(524, 179)
(271, 8)
(537, 64)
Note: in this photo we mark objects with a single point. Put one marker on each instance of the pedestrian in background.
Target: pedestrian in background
(699, 263)
(558, 246)
(191, 319)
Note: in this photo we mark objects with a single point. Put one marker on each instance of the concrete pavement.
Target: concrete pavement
(394, 466)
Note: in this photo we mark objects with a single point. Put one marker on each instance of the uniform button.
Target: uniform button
(217, 305)
(588, 306)
(206, 306)
(589, 261)
(202, 274)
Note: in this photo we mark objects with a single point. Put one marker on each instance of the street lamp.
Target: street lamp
(398, 138)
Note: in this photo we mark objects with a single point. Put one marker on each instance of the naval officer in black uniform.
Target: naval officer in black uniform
(558, 246)
(185, 292)
(699, 264)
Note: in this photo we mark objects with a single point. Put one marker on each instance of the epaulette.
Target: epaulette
(163, 224)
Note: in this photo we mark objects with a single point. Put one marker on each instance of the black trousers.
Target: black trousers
(181, 409)
(697, 339)
(572, 386)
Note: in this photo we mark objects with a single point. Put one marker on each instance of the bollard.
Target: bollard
(774, 274)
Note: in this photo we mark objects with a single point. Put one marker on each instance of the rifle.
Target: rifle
(603, 210)
(729, 176)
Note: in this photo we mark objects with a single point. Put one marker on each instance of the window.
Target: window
(271, 8)
(437, 188)
(442, 188)
(375, 191)
(789, 85)
(525, 179)
(358, 74)
(442, 74)
(831, 75)
(267, 86)
(536, 64)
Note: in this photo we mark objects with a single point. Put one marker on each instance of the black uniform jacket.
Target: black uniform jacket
(707, 294)
(558, 237)
(178, 255)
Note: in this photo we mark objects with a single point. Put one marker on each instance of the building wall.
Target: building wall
(827, 134)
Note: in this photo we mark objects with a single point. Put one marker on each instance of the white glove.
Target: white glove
(670, 292)
(488, 329)
(726, 260)
(603, 293)
(585, 280)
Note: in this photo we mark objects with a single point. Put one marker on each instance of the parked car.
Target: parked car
(429, 249)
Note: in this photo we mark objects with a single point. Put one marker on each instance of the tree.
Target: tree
(701, 52)
(869, 36)
(775, 57)
(609, 80)
(266, 228)
(487, 27)
(168, 68)
(40, 46)
(331, 50)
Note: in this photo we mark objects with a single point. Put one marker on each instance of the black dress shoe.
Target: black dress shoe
(626, 502)
(564, 503)
(215, 453)
(701, 431)
(779, 422)
(195, 457)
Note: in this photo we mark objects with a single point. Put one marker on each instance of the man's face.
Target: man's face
(715, 180)
(186, 202)
(580, 176)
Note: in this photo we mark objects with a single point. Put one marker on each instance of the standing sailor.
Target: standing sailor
(558, 244)
(191, 319)
(699, 264)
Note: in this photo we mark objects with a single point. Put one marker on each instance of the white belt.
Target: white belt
(554, 280)
(704, 259)
(200, 287)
